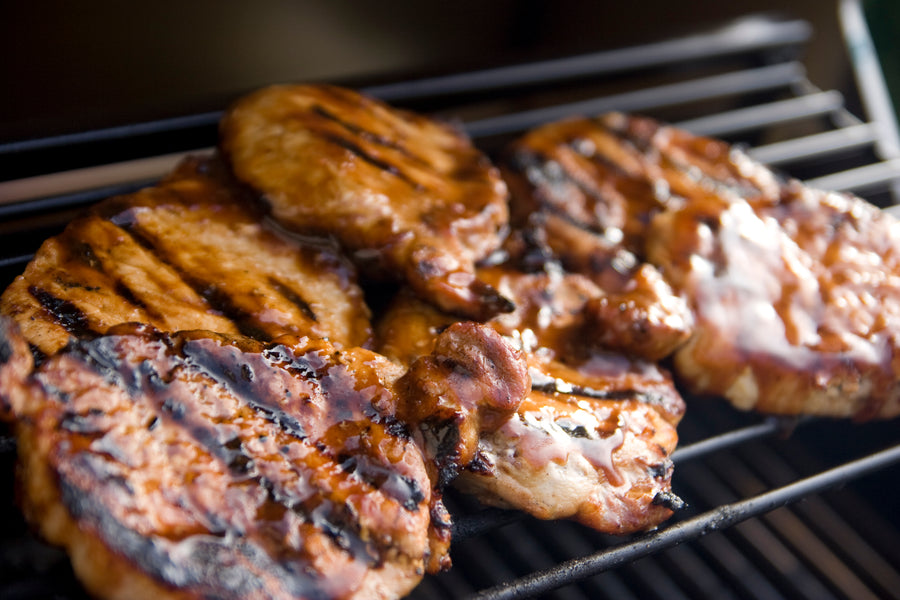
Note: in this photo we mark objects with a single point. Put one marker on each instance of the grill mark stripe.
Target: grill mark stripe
(63, 312)
(365, 134)
(84, 253)
(529, 158)
(215, 298)
(248, 565)
(551, 386)
(102, 357)
(380, 140)
(331, 517)
(360, 153)
(294, 298)
(647, 149)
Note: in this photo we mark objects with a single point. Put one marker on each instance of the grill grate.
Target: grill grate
(737, 539)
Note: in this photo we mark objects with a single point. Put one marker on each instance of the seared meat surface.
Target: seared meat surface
(185, 254)
(580, 197)
(197, 465)
(797, 302)
(790, 293)
(794, 291)
(591, 440)
(407, 196)
(470, 383)
(223, 468)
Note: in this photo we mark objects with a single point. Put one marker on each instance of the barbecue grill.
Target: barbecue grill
(776, 507)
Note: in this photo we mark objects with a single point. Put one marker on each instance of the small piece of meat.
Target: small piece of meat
(592, 438)
(185, 254)
(600, 460)
(797, 303)
(407, 196)
(196, 465)
(645, 319)
(467, 386)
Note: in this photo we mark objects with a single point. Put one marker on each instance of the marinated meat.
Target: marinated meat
(581, 170)
(591, 440)
(185, 254)
(597, 455)
(407, 196)
(198, 465)
(792, 291)
(580, 195)
(470, 383)
(797, 303)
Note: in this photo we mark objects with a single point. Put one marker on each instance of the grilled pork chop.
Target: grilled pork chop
(408, 196)
(794, 291)
(580, 197)
(797, 303)
(591, 440)
(198, 465)
(185, 254)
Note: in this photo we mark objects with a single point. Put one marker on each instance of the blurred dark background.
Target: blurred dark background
(67, 66)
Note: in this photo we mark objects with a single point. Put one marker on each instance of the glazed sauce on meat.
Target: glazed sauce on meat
(194, 454)
(546, 430)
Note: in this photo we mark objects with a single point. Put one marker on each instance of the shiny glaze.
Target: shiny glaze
(195, 455)
(802, 295)
(406, 196)
(579, 194)
(600, 461)
(591, 439)
(579, 169)
(185, 254)
(469, 384)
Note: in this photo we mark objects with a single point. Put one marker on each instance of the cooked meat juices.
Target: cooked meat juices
(185, 254)
(591, 440)
(792, 292)
(582, 199)
(197, 465)
(404, 194)
(797, 302)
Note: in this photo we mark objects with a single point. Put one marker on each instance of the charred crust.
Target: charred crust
(360, 153)
(446, 458)
(39, 355)
(669, 500)
(361, 132)
(395, 427)
(66, 314)
(480, 464)
(575, 431)
(6, 349)
(659, 470)
(295, 299)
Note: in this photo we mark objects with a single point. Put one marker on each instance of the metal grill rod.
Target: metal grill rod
(720, 518)
(705, 88)
(744, 36)
(764, 115)
(860, 178)
(818, 145)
